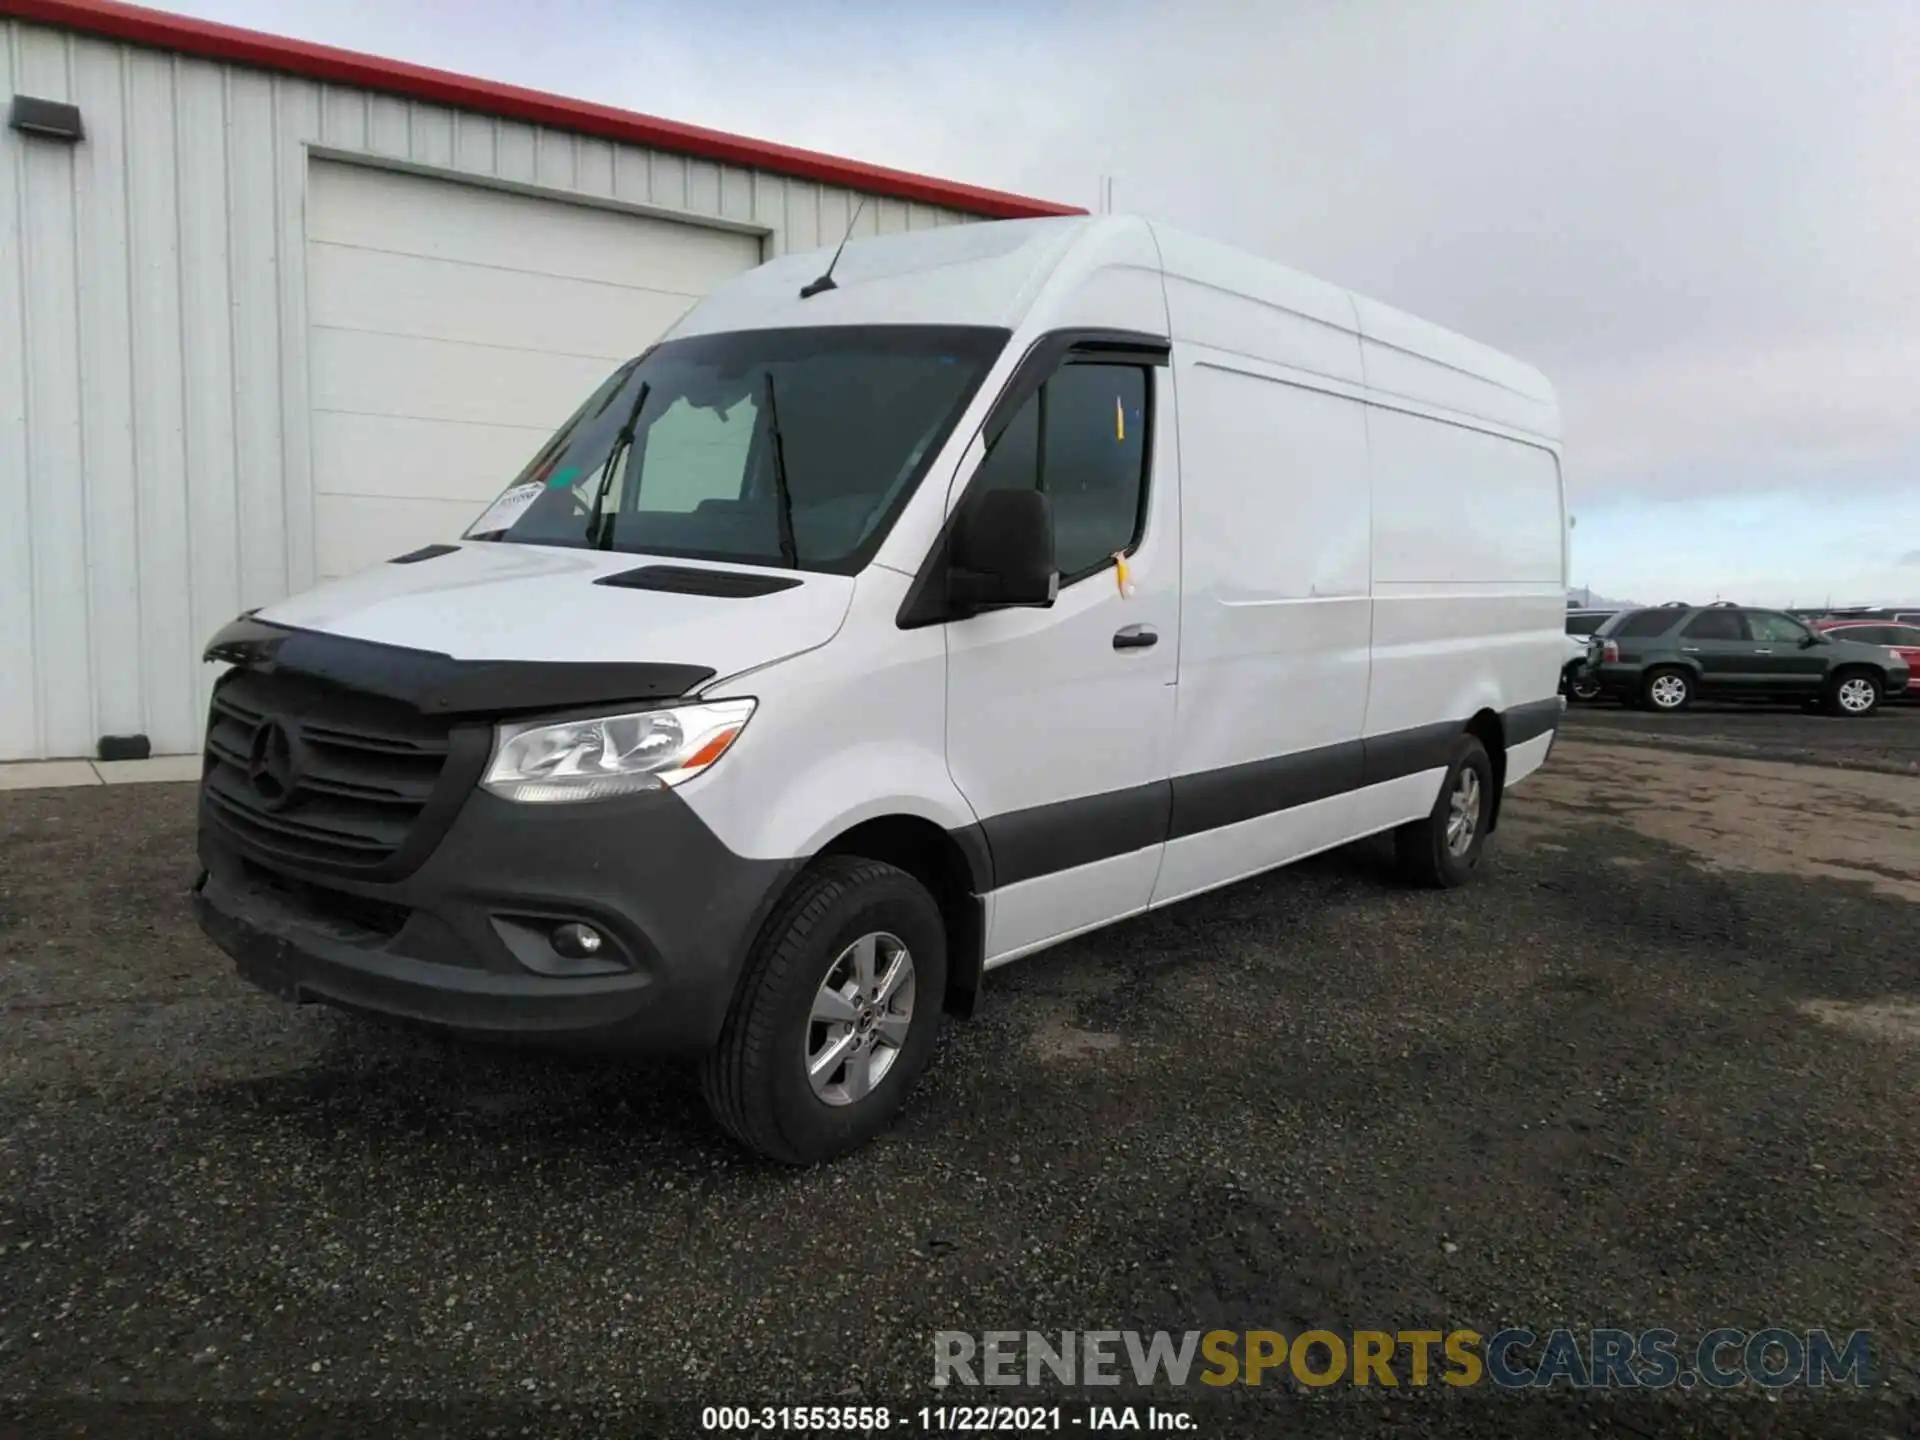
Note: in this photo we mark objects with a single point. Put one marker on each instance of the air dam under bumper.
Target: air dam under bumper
(461, 942)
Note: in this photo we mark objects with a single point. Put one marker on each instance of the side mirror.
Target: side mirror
(1001, 552)
(1811, 639)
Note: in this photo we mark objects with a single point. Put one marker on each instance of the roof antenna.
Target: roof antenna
(826, 281)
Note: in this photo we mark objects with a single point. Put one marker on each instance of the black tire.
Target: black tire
(1848, 684)
(1421, 847)
(1661, 682)
(1583, 688)
(755, 1078)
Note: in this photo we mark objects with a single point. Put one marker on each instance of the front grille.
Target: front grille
(354, 918)
(357, 771)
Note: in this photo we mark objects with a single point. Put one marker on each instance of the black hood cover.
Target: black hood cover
(437, 684)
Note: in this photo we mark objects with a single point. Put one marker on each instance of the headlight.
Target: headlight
(612, 754)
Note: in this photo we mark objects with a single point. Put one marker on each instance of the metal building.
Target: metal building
(271, 311)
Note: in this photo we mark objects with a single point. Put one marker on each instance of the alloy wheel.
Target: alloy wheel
(1463, 811)
(1669, 692)
(860, 1019)
(1855, 695)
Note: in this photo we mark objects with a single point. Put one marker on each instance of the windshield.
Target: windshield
(744, 445)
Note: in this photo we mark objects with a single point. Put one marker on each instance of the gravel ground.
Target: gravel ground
(1888, 740)
(1623, 1079)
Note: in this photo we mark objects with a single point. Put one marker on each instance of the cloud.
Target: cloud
(1697, 219)
(1912, 557)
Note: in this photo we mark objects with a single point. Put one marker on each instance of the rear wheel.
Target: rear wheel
(1584, 686)
(837, 1016)
(1854, 693)
(1443, 849)
(1667, 691)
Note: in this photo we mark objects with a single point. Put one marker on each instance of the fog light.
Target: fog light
(576, 941)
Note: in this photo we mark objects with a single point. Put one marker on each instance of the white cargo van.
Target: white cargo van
(860, 637)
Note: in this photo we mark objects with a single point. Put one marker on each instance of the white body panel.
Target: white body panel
(1234, 852)
(992, 275)
(508, 602)
(1041, 709)
(1032, 914)
(1353, 550)
(859, 732)
(1276, 604)
(1526, 757)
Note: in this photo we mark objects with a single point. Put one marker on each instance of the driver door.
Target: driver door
(1783, 660)
(1059, 720)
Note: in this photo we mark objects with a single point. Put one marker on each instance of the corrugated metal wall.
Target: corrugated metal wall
(154, 456)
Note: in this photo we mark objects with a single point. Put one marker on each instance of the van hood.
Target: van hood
(493, 601)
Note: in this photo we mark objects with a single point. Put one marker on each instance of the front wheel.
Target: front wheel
(1854, 693)
(836, 1017)
(1442, 850)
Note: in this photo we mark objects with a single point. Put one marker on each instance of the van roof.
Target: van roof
(979, 274)
(991, 273)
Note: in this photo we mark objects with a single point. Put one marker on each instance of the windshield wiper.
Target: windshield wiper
(789, 552)
(621, 442)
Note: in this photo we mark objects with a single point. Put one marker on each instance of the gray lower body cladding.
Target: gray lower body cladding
(463, 940)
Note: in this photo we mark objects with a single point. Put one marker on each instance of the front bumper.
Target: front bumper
(462, 940)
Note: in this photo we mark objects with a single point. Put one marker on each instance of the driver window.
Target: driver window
(693, 455)
(1771, 628)
(1081, 439)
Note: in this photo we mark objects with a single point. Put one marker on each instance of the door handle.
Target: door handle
(1135, 637)
(1763, 652)
(1689, 649)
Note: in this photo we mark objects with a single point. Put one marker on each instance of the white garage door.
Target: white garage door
(453, 327)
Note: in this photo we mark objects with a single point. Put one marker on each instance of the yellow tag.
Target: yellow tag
(1120, 573)
(1119, 420)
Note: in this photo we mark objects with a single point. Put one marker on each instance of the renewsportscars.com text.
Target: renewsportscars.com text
(1516, 1358)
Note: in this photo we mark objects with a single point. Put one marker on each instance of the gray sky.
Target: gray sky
(1701, 219)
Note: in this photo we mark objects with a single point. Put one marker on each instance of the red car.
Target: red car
(1895, 635)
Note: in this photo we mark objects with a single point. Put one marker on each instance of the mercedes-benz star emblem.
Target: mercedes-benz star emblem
(270, 767)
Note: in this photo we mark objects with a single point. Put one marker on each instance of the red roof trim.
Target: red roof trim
(166, 31)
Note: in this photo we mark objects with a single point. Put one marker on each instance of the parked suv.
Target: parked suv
(1662, 658)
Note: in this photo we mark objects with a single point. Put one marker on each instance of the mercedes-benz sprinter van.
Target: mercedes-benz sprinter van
(864, 635)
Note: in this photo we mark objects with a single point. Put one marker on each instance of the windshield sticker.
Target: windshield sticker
(563, 477)
(502, 514)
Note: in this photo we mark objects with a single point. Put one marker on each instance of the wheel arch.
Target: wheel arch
(1847, 667)
(1485, 727)
(956, 868)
